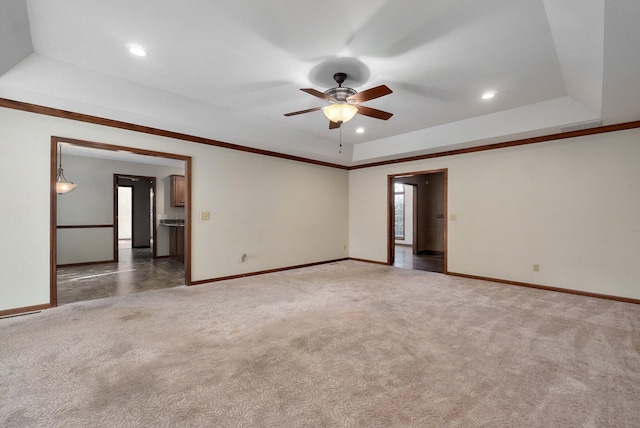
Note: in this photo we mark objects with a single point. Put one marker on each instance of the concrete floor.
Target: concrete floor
(135, 272)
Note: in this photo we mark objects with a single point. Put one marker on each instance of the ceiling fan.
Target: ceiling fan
(344, 103)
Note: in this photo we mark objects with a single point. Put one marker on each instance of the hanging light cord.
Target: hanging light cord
(340, 138)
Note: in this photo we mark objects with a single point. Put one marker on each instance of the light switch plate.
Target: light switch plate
(204, 215)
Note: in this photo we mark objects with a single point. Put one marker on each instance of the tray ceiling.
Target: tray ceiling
(230, 70)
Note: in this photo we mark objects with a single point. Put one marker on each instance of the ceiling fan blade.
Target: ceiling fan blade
(333, 125)
(318, 94)
(309, 110)
(370, 94)
(372, 112)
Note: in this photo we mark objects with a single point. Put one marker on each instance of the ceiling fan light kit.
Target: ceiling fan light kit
(344, 102)
(339, 112)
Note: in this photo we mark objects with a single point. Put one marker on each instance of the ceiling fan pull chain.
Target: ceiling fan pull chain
(340, 151)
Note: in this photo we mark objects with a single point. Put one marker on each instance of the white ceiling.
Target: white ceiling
(230, 70)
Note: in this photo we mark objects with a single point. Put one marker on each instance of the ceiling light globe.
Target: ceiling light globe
(340, 112)
(64, 187)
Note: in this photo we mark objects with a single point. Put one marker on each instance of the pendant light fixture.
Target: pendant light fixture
(62, 185)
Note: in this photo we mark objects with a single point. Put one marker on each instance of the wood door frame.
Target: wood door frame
(154, 229)
(391, 213)
(53, 211)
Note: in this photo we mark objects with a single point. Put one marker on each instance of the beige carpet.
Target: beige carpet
(347, 344)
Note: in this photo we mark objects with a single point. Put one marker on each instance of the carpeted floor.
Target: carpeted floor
(346, 344)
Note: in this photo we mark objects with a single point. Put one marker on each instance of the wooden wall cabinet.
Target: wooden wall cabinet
(177, 190)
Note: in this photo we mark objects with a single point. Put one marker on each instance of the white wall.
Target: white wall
(84, 245)
(279, 212)
(572, 206)
(91, 203)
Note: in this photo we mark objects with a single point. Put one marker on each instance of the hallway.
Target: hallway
(427, 262)
(136, 272)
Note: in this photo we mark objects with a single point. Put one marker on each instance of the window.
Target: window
(399, 210)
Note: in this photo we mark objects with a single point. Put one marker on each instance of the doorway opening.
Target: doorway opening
(105, 234)
(125, 206)
(417, 237)
(134, 206)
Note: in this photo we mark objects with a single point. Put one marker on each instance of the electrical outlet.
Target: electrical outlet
(243, 258)
(536, 267)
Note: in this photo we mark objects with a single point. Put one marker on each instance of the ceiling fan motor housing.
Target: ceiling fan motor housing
(341, 95)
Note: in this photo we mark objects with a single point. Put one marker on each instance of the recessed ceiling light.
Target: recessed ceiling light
(137, 50)
(360, 130)
(488, 95)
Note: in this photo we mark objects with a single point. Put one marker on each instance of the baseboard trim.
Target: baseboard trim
(369, 261)
(549, 288)
(23, 310)
(262, 272)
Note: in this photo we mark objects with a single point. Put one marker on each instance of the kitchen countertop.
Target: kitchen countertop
(172, 223)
